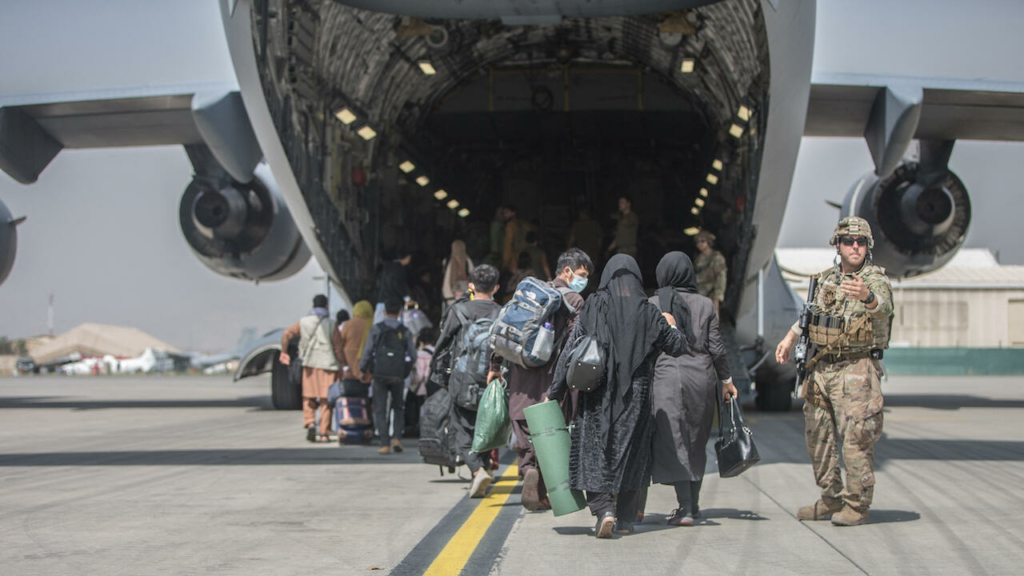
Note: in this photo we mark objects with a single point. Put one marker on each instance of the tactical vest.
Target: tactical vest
(836, 316)
(315, 346)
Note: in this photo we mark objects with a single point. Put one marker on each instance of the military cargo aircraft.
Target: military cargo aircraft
(358, 125)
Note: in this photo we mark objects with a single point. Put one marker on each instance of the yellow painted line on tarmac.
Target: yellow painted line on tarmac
(456, 553)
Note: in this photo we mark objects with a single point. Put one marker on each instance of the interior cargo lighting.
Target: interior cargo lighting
(717, 165)
(423, 180)
(736, 130)
(744, 113)
(427, 67)
(367, 133)
(699, 202)
(463, 213)
(691, 231)
(687, 65)
(704, 192)
(695, 211)
(406, 166)
(440, 194)
(712, 179)
(345, 116)
(453, 203)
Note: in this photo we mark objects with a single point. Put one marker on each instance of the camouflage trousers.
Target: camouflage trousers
(844, 397)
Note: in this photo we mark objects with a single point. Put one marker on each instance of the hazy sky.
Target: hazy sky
(102, 231)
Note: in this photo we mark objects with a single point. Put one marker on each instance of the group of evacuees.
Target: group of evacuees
(652, 415)
(648, 421)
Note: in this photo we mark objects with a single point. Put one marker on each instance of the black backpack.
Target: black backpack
(472, 361)
(437, 439)
(391, 355)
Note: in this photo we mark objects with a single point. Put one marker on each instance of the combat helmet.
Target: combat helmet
(852, 226)
(705, 235)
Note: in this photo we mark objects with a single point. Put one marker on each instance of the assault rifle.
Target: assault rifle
(804, 349)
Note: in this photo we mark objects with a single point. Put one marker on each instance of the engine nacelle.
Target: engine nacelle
(918, 220)
(243, 231)
(8, 241)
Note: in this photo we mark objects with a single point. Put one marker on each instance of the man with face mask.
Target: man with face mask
(527, 385)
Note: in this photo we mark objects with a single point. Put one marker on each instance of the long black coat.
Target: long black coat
(684, 397)
(621, 460)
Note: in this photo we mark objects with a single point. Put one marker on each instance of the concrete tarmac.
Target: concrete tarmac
(196, 475)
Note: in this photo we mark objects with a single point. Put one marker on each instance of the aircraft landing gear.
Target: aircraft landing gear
(283, 394)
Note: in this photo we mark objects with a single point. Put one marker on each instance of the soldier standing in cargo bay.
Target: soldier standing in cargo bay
(710, 268)
(849, 329)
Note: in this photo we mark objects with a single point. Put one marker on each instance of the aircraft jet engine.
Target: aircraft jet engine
(8, 241)
(243, 231)
(919, 215)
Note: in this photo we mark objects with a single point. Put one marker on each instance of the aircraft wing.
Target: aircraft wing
(34, 128)
(950, 109)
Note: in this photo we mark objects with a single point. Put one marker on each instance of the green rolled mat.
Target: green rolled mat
(550, 439)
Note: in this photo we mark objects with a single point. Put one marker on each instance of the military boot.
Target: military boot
(818, 511)
(850, 517)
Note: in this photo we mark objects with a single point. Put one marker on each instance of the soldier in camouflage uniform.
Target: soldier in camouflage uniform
(843, 390)
(710, 267)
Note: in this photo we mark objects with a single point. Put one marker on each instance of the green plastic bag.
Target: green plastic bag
(493, 426)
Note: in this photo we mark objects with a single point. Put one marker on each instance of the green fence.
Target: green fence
(954, 361)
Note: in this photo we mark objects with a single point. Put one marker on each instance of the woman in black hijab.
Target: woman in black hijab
(685, 387)
(611, 440)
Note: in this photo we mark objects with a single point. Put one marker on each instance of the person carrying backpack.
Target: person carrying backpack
(465, 335)
(322, 355)
(388, 357)
(527, 384)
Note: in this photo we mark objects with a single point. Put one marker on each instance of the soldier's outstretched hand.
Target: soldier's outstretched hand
(855, 288)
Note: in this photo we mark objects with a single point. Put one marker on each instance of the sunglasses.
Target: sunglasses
(848, 241)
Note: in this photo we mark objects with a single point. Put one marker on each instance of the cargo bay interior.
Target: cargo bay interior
(401, 130)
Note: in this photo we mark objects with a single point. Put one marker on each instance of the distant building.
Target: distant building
(972, 302)
(97, 341)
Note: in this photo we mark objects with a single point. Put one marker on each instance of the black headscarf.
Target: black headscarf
(621, 318)
(675, 274)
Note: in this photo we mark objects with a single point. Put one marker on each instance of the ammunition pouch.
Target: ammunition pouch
(831, 332)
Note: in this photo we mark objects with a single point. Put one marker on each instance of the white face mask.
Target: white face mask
(578, 284)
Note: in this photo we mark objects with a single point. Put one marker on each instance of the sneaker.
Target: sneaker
(531, 489)
(384, 450)
(818, 511)
(680, 517)
(605, 525)
(310, 433)
(624, 528)
(481, 480)
(396, 445)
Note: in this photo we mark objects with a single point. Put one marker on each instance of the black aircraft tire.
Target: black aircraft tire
(774, 396)
(283, 394)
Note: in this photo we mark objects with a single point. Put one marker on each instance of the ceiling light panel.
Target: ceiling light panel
(406, 166)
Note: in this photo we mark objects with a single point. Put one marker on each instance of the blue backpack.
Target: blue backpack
(524, 332)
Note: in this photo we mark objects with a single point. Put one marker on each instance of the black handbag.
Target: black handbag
(735, 447)
(586, 365)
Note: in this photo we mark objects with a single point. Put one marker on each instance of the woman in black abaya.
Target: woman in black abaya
(685, 387)
(611, 440)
